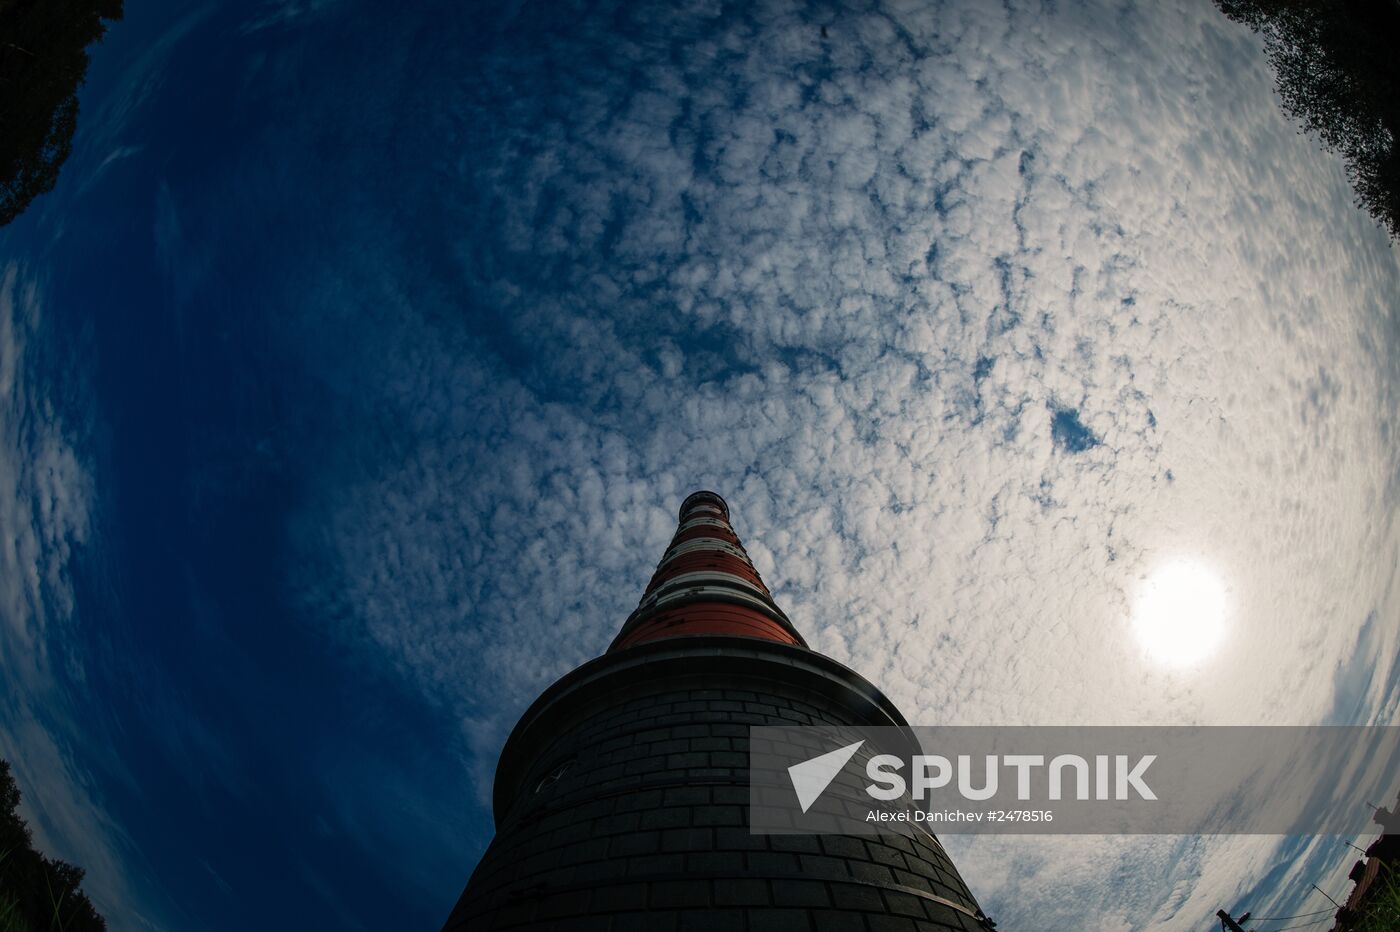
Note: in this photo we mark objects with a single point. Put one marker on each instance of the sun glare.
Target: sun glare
(1179, 615)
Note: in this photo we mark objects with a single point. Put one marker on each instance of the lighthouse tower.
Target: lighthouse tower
(621, 797)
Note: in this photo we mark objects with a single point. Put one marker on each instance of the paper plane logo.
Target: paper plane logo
(811, 777)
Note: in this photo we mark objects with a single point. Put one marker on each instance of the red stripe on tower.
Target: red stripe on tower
(705, 584)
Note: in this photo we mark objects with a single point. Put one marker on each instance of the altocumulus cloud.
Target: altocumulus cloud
(975, 314)
(46, 505)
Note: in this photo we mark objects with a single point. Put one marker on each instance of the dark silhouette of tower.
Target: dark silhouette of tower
(621, 797)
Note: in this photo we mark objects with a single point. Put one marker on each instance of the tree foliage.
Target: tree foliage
(1337, 64)
(37, 894)
(43, 60)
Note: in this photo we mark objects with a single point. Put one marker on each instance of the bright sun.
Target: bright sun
(1179, 615)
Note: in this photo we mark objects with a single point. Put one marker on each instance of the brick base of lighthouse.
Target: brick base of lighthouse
(621, 803)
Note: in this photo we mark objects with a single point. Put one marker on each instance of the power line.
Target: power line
(1230, 924)
(1303, 924)
(1315, 912)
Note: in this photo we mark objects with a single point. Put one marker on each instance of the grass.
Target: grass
(1382, 910)
(10, 919)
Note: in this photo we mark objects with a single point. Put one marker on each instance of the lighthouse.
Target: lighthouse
(621, 797)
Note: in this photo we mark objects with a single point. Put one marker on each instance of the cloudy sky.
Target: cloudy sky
(352, 374)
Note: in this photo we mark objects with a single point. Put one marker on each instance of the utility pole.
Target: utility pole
(1229, 924)
(1388, 821)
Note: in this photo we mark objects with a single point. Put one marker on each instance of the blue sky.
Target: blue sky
(351, 375)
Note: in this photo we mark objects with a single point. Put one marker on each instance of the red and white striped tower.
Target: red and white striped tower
(706, 584)
(621, 797)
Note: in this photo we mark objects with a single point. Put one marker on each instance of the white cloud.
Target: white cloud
(755, 259)
(46, 506)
